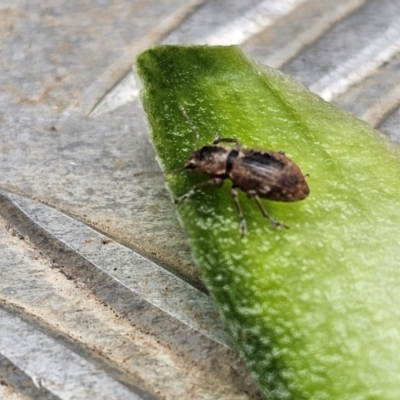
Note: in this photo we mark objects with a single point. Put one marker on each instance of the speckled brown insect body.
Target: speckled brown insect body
(261, 174)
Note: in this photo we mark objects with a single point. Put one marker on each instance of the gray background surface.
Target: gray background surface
(99, 298)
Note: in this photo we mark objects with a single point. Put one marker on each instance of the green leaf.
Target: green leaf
(314, 309)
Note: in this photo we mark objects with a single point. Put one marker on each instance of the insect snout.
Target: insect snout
(190, 165)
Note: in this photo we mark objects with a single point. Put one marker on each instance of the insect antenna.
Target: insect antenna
(190, 122)
(172, 171)
(175, 171)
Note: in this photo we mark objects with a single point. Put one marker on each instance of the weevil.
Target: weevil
(261, 174)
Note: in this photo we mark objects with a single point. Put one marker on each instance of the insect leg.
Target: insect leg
(265, 214)
(214, 181)
(229, 140)
(235, 196)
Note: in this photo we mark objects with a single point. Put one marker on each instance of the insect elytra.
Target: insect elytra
(261, 174)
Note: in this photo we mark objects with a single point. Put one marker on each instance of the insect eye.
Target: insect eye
(190, 166)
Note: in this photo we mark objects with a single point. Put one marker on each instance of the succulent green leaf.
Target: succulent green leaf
(314, 309)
